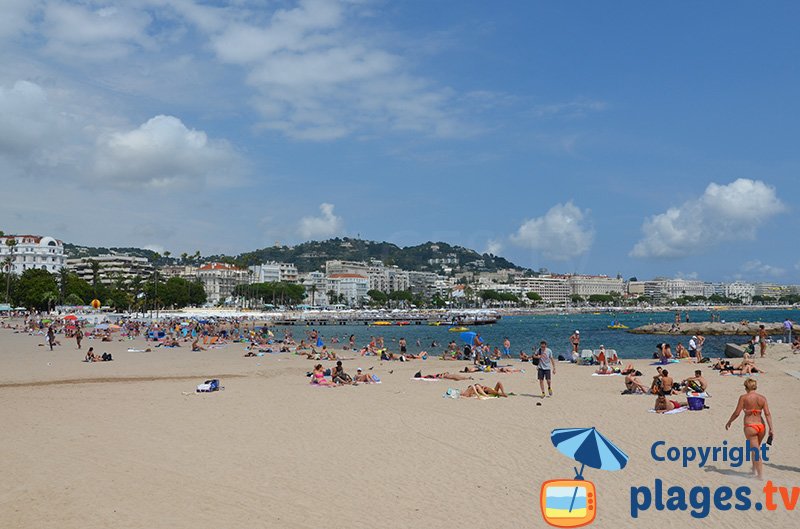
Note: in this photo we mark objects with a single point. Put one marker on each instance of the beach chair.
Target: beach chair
(587, 357)
(612, 358)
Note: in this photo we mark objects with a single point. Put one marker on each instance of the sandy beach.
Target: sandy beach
(129, 443)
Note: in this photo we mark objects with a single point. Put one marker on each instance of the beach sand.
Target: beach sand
(129, 443)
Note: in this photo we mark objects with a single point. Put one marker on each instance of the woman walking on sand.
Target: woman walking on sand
(754, 405)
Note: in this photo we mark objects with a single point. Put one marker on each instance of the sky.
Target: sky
(637, 138)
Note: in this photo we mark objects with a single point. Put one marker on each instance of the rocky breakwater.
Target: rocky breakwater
(710, 329)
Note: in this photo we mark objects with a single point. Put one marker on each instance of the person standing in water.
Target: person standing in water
(507, 347)
(754, 405)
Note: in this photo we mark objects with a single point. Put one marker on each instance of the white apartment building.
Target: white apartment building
(586, 286)
(112, 267)
(422, 283)
(551, 289)
(740, 290)
(32, 251)
(220, 279)
(353, 287)
(316, 289)
(636, 288)
(187, 272)
(272, 272)
(381, 277)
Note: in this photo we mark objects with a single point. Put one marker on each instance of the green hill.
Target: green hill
(310, 256)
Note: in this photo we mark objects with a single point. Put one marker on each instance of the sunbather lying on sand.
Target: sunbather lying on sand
(449, 376)
(663, 404)
(478, 390)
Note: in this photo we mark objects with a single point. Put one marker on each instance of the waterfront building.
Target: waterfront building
(352, 287)
(552, 289)
(111, 268)
(273, 272)
(220, 279)
(32, 251)
(585, 286)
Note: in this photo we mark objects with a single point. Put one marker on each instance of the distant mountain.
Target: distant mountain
(310, 256)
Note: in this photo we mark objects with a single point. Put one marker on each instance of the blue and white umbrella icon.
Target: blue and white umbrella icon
(588, 447)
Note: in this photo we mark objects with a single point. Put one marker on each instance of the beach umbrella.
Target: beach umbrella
(320, 343)
(101, 326)
(70, 317)
(468, 337)
(589, 448)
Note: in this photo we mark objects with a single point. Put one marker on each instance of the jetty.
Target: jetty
(744, 328)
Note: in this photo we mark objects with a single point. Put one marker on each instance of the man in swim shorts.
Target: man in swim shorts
(547, 366)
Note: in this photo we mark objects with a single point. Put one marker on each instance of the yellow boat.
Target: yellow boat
(382, 323)
(434, 323)
(458, 329)
(618, 326)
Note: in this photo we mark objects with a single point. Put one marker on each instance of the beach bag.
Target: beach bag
(208, 386)
(696, 403)
(452, 393)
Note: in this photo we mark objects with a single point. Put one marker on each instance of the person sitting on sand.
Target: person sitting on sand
(663, 404)
(478, 390)
(696, 383)
(524, 357)
(339, 376)
(362, 377)
(796, 345)
(196, 345)
(632, 383)
(600, 358)
(318, 377)
(90, 356)
(681, 352)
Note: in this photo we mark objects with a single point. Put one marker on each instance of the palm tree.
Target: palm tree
(313, 290)
(50, 298)
(156, 257)
(196, 256)
(166, 255)
(184, 256)
(11, 242)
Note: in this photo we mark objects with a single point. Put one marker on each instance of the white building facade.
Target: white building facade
(552, 289)
(32, 252)
(220, 279)
(111, 268)
(353, 287)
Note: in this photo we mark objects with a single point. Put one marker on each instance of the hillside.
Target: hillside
(312, 255)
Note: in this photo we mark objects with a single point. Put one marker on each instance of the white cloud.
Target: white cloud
(15, 17)
(318, 77)
(560, 234)
(757, 267)
(494, 247)
(164, 152)
(731, 212)
(574, 109)
(103, 33)
(322, 227)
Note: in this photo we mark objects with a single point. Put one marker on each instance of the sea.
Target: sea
(525, 332)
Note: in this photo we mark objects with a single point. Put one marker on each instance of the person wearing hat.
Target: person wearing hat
(693, 347)
(361, 377)
(575, 340)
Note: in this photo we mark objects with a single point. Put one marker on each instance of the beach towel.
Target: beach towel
(671, 361)
(606, 374)
(426, 379)
(671, 412)
(138, 350)
(452, 393)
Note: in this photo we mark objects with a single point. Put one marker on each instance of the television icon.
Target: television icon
(568, 502)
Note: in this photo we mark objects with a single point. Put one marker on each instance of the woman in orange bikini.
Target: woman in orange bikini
(753, 405)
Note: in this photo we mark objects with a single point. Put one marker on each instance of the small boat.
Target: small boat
(618, 326)
(458, 329)
(381, 323)
(403, 323)
(434, 323)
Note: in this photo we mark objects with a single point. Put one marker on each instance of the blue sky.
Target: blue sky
(636, 138)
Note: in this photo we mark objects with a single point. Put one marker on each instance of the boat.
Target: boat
(458, 329)
(434, 323)
(618, 326)
(381, 323)
(403, 323)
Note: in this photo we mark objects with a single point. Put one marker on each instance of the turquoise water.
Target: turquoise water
(525, 332)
